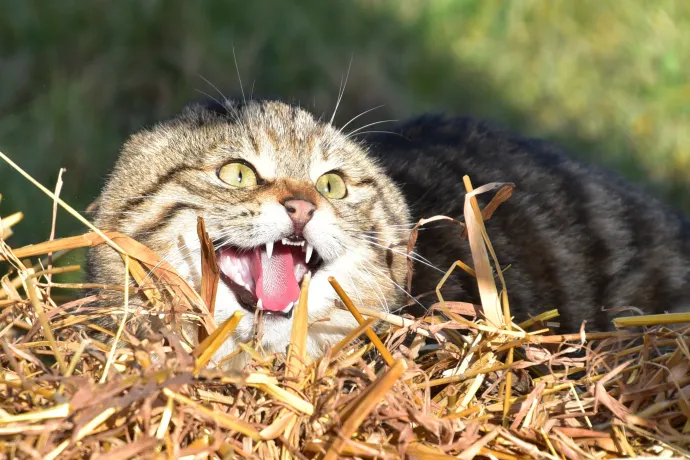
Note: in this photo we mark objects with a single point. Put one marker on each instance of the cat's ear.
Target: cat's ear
(234, 102)
(221, 107)
(94, 206)
(207, 111)
(218, 107)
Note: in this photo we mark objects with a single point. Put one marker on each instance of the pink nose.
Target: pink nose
(301, 212)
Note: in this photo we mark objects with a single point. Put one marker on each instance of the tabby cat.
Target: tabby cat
(283, 194)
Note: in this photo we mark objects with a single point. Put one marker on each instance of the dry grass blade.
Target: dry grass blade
(6, 224)
(365, 404)
(59, 411)
(210, 272)
(65, 206)
(491, 302)
(287, 398)
(60, 244)
(121, 327)
(396, 320)
(45, 325)
(297, 353)
(385, 354)
(220, 418)
(361, 329)
(412, 240)
(206, 349)
(652, 320)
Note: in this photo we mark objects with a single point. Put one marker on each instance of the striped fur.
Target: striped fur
(575, 238)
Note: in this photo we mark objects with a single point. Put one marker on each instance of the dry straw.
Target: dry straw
(462, 382)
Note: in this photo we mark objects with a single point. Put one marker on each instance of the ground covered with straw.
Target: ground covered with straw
(462, 382)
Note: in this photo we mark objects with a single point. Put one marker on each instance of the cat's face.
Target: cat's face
(281, 194)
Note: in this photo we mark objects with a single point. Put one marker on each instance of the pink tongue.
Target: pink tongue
(275, 280)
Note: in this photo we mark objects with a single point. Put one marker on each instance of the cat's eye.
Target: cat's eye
(238, 175)
(331, 185)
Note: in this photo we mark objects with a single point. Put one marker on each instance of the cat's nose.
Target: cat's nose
(301, 212)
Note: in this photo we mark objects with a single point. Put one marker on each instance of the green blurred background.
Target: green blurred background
(606, 79)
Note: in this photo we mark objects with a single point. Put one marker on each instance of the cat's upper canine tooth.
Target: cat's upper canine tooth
(269, 249)
(259, 305)
(310, 249)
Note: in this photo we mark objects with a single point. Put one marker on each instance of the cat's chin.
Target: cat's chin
(268, 277)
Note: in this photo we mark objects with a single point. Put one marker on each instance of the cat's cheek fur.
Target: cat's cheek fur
(324, 233)
(186, 258)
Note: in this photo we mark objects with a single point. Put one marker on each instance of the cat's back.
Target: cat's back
(575, 237)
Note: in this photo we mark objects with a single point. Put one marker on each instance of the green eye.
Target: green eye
(238, 175)
(331, 185)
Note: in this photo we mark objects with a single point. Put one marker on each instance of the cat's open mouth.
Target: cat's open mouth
(268, 277)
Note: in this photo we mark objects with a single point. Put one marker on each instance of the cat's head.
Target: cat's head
(281, 194)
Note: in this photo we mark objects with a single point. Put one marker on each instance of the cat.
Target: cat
(283, 193)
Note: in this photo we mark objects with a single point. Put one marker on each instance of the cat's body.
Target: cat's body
(574, 238)
(269, 178)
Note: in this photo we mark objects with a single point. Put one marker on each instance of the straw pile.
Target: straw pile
(461, 382)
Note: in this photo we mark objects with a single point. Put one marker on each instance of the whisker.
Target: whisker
(341, 92)
(357, 116)
(409, 256)
(214, 87)
(352, 133)
(396, 284)
(239, 77)
(367, 279)
(208, 95)
(354, 288)
(391, 242)
(379, 132)
(154, 197)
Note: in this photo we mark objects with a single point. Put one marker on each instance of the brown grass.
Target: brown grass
(461, 382)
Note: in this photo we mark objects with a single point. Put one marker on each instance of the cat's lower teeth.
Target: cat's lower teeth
(286, 310)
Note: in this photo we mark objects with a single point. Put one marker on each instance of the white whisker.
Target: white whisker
(409, 256)
(357, 116)
(237, 68)
(341, 92)
(208, 95)
(367, 279)
(379, 132)
(214, 87)
(391, 242)
(352, 133)
(396, 284)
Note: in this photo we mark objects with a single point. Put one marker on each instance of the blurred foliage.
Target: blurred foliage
(606, 79)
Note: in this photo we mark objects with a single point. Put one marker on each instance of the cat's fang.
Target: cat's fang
(269, 249)
(259, 305)
(288, 307)
(310, 249)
